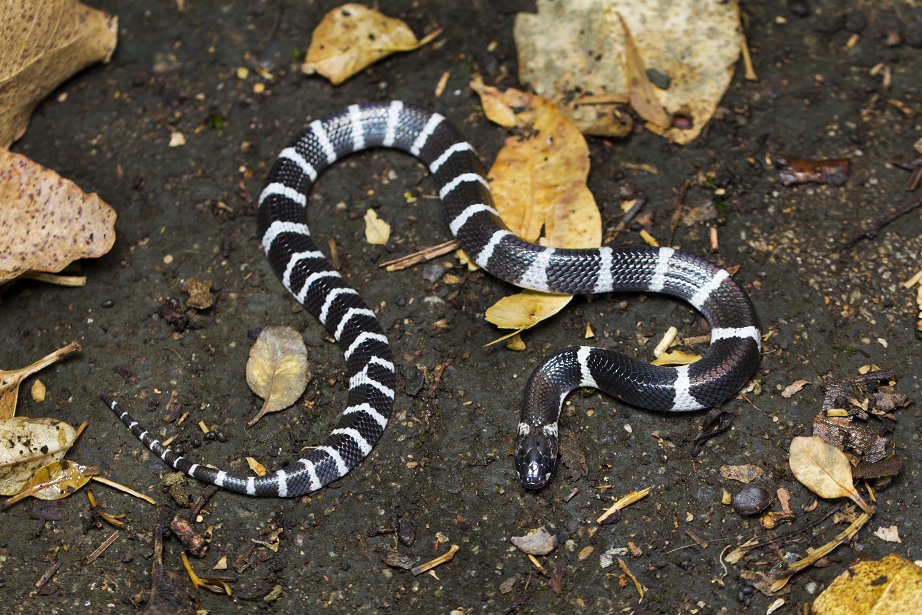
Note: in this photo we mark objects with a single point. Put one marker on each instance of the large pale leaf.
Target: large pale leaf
(351, 37)
(46, 221)
(55, 481)
(891, 586)
(569, 50)
(41, 45)
(822, 468)
(28, 444)
(539, 182)
(10, 379)
(277, 369)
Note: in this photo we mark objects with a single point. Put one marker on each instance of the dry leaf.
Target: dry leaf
(42, 44)
(639, 87)
(46, 221)
(377, 231)
(676, 357)
(823, 469)
(199, 293)
(569, 50)
(257, 468)
(10, 380)
(794, 387)
(539, 181)
(890, 534)
(55, 481)
(29, 444)
(277, 369)
(744, 474)
(891, 586)
(351, 37)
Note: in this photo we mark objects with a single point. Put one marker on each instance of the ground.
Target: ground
(187, 212)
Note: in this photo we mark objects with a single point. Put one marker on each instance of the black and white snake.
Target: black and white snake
(465, 192)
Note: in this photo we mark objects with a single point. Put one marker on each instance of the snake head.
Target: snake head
(535, 454)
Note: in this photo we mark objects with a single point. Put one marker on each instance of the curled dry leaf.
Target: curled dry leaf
(890, 534)
(351, 37)
(377, 231)
(892, 585)
(277, 369)
(569, 50)
(744, 474)
(28, 444)
(10, 380)
(639, 87)
(676, 357)
(42, 44)
(46, 221)
(539, 181)
(55, 481)
(823, 469)
(794, 387)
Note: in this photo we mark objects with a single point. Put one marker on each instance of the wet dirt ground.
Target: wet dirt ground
(187, 212)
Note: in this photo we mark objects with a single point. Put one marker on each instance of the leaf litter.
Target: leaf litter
(277, 369)
(11, 379)
(27, 444)
(538, 181)
(352, 37)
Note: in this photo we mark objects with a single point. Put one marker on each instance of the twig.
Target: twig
(275, 26)
(48, 574)
(427, 254)
(626, 218)
(102, 548)
(447, 557)
(115, 485)
(677, 214)
(792, 533)
(875, 228)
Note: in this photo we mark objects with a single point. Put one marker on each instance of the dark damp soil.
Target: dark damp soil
(188, 212)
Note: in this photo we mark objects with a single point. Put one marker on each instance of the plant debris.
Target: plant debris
(536, 542)
(43, 44)
(793, 170)
(377, 231)
(709, 430)
(442, 559)
(351, 37)
(29, 444)
(46, 221)
(744, 473)
(11, 379)
(55, 481)
(277, 369)
(891, 585)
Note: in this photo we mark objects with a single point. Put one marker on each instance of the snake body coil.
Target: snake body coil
(465, 193)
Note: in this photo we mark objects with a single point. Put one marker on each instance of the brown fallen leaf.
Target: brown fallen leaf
(10, 379)
(892, 585)
(793, 170)
(169, 595)
(55, 481)
(277, 369)
(794, 387)
(536, 542)
(823, 469)
(42, 44)
(30, 444)
(377, 231)
(46, 221)
(351, 37)
(539, 182)
(744, 474)
(199, 293)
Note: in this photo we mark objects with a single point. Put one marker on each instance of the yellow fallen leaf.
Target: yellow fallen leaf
(46, 221)
(539, 182)
(351, 37)
(277, 369)
(515, 343)
(10, 379)
(823, 469)
(55, 481)
(676, 357)
(29, 444)
(42, 45)
(891, 586)
(377, 231)
(257, 468)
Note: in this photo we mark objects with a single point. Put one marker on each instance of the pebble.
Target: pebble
(108, 303)
(751, 500)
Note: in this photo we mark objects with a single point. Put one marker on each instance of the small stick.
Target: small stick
(48, 574)
(877, 226)
(628, 572)
(628, 499)
(436, 562)
(427, 254)
(102, 549)
(626, 219)
(677, 214)
(106, 481)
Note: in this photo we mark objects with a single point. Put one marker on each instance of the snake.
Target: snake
(473, 219)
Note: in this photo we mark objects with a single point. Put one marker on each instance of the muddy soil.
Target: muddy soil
(188, 212)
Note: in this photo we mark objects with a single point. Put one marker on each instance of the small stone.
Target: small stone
(829, 24)
(799, 7)
(659, 79)
(108, 303)
(751, 500)
(856, 21)
(506, 586)
(535, 542)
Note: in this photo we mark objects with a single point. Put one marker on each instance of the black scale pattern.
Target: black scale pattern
(293, 256)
